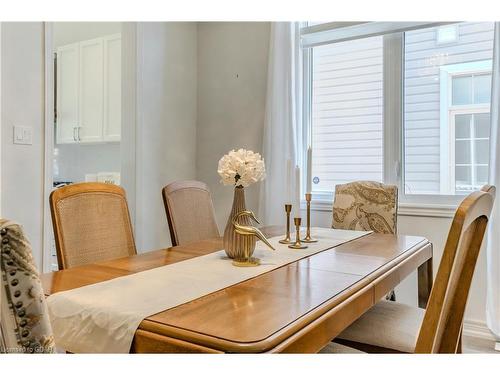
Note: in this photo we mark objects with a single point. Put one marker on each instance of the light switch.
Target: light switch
(23, 135)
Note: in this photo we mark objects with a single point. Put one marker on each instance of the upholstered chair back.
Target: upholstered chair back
(190, 212)
(366, 205)
(91, 224)
(25, 324)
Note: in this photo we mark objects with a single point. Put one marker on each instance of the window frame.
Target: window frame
(447, 108)
(435, 205)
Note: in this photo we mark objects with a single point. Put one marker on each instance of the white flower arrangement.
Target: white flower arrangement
(241, 168)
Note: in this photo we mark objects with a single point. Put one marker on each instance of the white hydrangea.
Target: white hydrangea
(241, 168)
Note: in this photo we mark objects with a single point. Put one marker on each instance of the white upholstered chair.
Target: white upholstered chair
(394, 327)
(190, 212)
(25, 325)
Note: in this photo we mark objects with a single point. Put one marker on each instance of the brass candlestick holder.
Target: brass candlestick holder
(297, 244)
(308, 238)
(287, 240)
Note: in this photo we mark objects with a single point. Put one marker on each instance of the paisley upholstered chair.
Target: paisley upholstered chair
(190, 212)
(25, 325)
(366, 205)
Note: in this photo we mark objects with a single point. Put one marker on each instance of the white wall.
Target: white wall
(166, 138)
(76, 160)
(22, 104)
(230, 114)
(232, 79)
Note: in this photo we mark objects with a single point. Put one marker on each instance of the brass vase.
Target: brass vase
(238, 246)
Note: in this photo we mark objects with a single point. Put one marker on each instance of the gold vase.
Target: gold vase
(238, 246)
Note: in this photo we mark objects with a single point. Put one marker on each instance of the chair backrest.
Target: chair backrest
(24, 323)
(366, 205)
(91, 223)
(442, 325)
(190, 212)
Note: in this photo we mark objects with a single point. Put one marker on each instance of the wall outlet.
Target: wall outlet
(109, 177)
(23, 135)
(90, 177)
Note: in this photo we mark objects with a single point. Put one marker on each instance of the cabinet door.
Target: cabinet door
(91, 90)
(112, 88)
(67, 93)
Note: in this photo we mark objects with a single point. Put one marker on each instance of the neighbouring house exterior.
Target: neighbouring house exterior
(447, 83)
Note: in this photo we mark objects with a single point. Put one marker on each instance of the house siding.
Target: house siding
(347, 105)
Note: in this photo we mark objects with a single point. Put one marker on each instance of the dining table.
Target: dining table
(297, 308)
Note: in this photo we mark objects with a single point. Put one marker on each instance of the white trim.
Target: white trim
(130, 116)
(477, 328)
(426, 210)
(139, 196)
(446, 110)
(393, 68)
(48, 146)
(404, 209)
(340, 32)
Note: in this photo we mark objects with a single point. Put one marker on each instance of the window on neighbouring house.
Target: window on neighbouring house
(445, 87)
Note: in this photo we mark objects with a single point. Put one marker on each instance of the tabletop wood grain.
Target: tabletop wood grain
(299, 307)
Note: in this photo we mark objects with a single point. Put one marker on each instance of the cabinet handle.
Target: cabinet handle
(74, 136)
(78, 133)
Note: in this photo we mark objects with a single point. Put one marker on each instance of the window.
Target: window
(471, 145)
(404, 103)
(347, 118)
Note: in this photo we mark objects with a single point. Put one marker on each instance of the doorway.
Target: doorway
(89, 122)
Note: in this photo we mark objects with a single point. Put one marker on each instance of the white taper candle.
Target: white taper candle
(288, 181)
(296, 202)
(309, 169)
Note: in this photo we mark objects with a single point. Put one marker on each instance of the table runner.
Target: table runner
(103, 317)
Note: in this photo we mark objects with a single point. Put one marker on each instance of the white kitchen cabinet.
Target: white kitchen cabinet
(112, 88)
(89, 91)
(67, 93)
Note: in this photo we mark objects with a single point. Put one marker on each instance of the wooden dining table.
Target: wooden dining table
(297, 308)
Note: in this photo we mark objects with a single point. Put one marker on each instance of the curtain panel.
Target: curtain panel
(283, 116)
(493, 240)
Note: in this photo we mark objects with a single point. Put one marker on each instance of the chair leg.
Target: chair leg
(366, 347)
(459, 345)
(391, 296)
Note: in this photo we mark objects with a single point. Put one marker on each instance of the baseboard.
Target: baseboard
(479, 329)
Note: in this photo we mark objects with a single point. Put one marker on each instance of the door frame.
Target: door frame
(131, 116)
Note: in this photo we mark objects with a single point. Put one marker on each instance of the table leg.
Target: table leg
(424, 283)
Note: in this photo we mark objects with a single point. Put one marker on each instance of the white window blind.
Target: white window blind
(347, 112)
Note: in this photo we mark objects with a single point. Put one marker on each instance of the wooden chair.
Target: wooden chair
(190, 212)
(366, 205)
(91, 223)
(24, 324)
(394, 327)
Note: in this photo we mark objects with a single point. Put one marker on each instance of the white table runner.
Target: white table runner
(103, 317)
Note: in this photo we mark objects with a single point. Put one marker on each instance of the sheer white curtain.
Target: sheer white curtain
(283, 116)
(493, 245)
